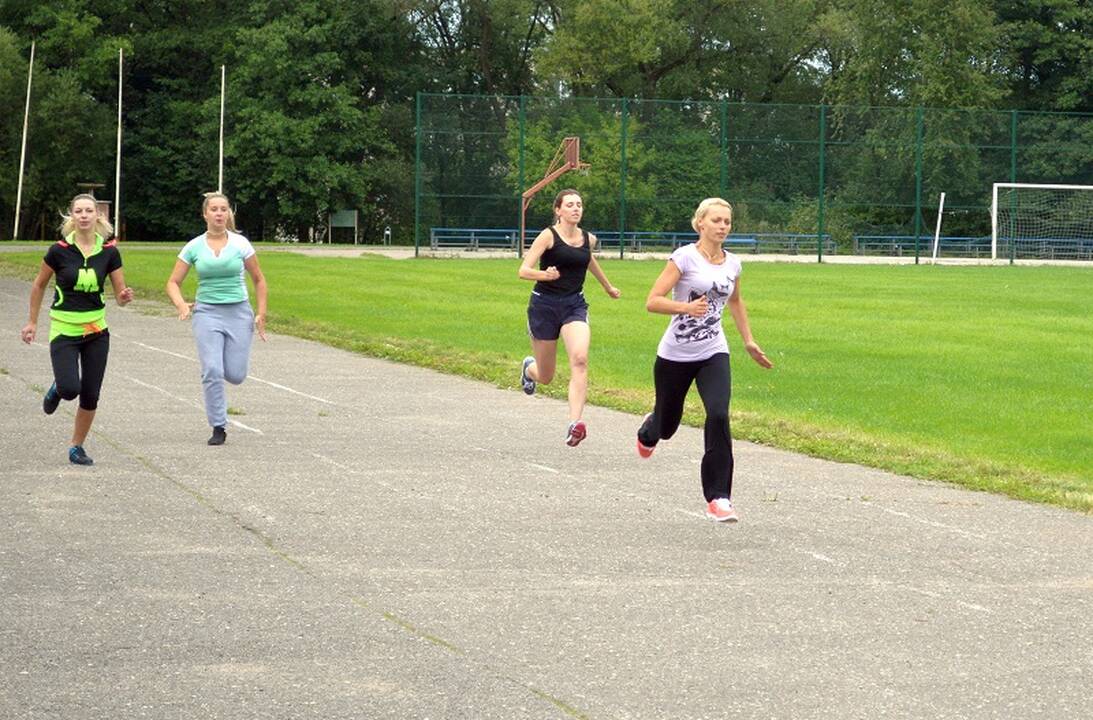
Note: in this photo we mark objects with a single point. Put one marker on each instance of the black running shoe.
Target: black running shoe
(51, 400)
(77, 456)
(219, 436)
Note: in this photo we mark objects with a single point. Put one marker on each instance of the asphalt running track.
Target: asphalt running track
(381, 541)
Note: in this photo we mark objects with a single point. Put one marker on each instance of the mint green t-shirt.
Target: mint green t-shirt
(221, 279)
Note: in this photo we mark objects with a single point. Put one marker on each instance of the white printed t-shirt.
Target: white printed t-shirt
(689, 339)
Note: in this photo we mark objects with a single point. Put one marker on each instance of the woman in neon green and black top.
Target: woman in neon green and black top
(79, 341)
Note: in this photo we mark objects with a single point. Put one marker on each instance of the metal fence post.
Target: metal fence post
(1013, 178)
(918, 176)
(417, 173)
(724, 149)
(522, 185)
(622, 177)
(822, 201)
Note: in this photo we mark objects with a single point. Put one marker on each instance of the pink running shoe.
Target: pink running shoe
(577, 431)
(644, 450)
(721, 510)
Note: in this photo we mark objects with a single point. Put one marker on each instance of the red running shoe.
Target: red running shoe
(577, 432)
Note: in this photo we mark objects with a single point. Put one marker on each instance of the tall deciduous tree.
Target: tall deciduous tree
(1048, 53)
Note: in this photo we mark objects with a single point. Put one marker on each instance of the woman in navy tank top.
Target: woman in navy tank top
(563, 254)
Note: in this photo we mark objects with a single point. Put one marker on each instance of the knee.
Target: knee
(68, 391)
(545, 376)
(578, 362)
(235, 377)
(718, 420)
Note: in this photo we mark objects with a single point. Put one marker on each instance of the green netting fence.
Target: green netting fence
(803, 178)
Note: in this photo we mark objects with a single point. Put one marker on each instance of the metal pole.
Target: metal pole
(937, 228)
(117, 164)
(823, 199)
(918, 177)
(23, 151)
(1013, 179)
(724, 148)
(622, 177)
(417, 173)
(220, 175)
(523, 205)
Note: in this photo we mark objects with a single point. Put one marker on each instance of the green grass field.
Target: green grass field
(981, 376)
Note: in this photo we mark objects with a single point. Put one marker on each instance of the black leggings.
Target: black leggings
(673, 379)
(79, 364)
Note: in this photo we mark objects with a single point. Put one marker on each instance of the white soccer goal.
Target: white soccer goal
(1042, 221)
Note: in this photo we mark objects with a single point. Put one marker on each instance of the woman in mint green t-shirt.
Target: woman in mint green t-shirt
(223, 322)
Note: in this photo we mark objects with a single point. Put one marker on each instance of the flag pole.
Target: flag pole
(117, 168)
(23, 151)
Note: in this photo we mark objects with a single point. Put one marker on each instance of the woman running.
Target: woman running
(79, 341)
(702, 278)
(223, 322)
(563, 253)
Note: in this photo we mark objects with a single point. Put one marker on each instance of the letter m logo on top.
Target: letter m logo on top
(87, 281)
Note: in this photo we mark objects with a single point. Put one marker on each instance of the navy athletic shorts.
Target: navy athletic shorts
(548, 313)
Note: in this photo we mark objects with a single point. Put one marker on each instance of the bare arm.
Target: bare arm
(37, 292)
(740, 317)
(658, 301)
(261, 291)
(597, 272)
(543, 242)
(122, 292)
(174, 289)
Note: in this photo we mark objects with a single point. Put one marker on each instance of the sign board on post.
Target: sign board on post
(344, 219)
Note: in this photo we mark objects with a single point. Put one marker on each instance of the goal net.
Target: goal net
(1042, 221)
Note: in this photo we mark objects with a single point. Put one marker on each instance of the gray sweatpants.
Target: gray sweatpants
(223, 334)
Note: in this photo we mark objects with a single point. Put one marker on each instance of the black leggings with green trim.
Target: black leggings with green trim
(79, 365)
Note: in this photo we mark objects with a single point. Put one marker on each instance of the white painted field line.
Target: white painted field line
(252, 377)
(544, 467)
(186, 401)
(939, 596)
(356, 471)
(915, 518)
(817, 556)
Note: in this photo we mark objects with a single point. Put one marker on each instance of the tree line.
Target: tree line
(321, 93)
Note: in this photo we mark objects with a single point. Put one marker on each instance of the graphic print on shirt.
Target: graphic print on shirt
(689, 329)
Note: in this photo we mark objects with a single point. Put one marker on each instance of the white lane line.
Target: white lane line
(252, 377)
(165, 352)
(186, 401)
(544, 467)
(939, 596)
(915, 518)
(357, 471)
(290, 390)
(817, 556)
(931, 523)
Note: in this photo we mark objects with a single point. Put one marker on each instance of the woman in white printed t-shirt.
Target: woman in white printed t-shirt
(702, 278)
(223, 322)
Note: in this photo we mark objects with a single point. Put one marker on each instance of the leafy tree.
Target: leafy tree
(1048, 52)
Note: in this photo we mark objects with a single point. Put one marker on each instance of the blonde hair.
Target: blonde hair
(704, 207)
(102, 225)
(230, 224)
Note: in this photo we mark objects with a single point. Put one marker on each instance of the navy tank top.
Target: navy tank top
(571, 262)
